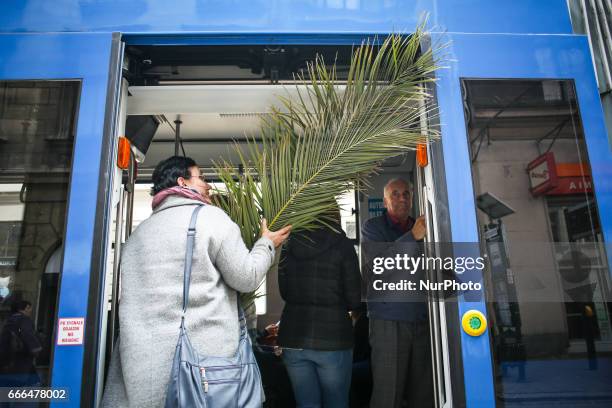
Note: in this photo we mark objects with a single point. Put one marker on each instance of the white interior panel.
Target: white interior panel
(198, 99)
(203, 153)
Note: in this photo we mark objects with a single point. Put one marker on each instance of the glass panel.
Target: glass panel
(37, 122)
(548, 283)
(348, 209)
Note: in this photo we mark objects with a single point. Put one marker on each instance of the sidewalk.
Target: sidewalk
(557, 383)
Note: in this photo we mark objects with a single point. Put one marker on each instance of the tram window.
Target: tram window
(37, 122)
(547, 280)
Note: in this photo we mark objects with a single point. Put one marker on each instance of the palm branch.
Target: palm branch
(331, 137)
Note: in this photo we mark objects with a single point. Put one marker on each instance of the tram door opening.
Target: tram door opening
(184, 102)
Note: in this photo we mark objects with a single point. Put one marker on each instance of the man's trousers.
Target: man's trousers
(401, 364)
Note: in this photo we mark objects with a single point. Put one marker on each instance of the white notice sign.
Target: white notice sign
(539, 174)
(70, 331)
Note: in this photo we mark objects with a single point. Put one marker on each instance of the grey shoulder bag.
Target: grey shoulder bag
(201, 381)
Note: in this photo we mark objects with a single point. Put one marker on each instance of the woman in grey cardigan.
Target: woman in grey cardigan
(152, 285)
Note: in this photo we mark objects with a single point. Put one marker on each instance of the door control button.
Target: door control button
(474, 323)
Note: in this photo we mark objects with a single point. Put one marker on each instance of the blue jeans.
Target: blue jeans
(320, 378)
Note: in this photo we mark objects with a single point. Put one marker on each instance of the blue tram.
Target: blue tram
(522, 174)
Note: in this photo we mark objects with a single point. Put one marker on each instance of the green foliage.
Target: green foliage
(332, 137)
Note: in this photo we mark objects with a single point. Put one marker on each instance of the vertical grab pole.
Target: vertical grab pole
(177, 135)
(116, 259)
(129, 188)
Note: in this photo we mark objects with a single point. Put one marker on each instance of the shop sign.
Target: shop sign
(572, 185)
(550, 178)
(542, 174)
(8, 262)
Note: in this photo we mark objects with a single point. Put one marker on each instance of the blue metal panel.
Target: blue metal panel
(511, 56)
(284, 16)
(246, 39)
(70, 56)
(476, 353)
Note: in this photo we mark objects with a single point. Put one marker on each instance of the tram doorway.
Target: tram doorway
(204, 120)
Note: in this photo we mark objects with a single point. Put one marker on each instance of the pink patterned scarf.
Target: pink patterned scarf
(179, 191)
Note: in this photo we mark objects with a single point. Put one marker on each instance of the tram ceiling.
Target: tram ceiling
(218, 93)
(211, 117)
(206, 112)
(154, 65)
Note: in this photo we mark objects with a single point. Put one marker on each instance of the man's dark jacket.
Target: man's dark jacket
(320, 282)
(19, 361)
(382, 229)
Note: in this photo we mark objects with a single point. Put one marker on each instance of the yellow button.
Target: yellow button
(474, 323)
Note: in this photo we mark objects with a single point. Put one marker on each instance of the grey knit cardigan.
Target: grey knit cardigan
(151, 293)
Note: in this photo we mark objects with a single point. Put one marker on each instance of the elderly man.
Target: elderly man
(399, 333)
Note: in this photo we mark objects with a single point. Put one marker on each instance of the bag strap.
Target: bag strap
(191, 231)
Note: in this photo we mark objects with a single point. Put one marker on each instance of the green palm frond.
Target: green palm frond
(331, 137)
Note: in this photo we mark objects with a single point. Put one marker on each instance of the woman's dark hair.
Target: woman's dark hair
(167, 171)
(19, 305)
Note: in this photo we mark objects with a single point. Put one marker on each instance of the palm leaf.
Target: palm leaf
(331, 137)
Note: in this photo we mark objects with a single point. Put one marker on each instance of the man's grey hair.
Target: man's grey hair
(395, 180)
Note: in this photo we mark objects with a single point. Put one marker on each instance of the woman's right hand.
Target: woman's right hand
(277, 237)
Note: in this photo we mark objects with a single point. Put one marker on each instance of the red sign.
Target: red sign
(572, 185)
(542, 174)
(551, 178)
